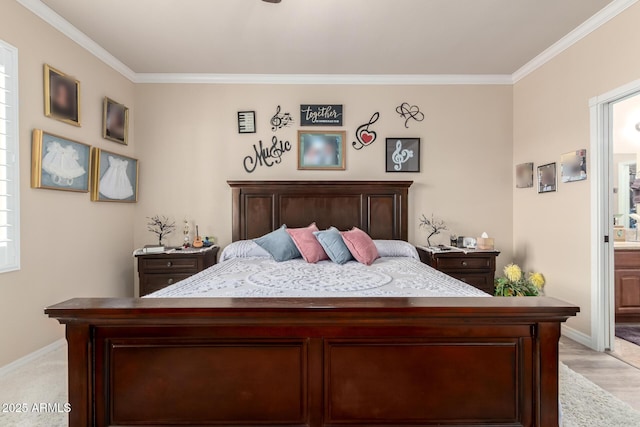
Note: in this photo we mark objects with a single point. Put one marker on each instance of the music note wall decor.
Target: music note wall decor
(279, 121)
(364, 135)
(246, 122)
(403, 155)
(409, 112)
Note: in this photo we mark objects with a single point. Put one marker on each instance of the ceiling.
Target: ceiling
(626, 115)
(327, 36)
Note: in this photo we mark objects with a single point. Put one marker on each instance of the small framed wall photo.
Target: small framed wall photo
(318, 150)
(574, 166)
(114, 178)
(547, 179)
(61, 96)
(524, 175)
(403, 155)
(115, 121)
(59, 163)
(246, 122)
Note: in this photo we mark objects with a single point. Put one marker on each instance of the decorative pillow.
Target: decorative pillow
(360, 245)
(333, 245)
(307, 243)
(243, 249)
(396, 248)
(279, 244)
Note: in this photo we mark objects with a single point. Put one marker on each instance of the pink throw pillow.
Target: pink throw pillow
(307, 243)
(360, 245)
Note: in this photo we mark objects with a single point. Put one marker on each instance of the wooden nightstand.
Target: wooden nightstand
(157, 271)
(477, 268)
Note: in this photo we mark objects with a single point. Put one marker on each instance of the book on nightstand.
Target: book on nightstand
(153, 249)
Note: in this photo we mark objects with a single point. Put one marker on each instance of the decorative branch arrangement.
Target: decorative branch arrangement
(434, 226)
(160, 226)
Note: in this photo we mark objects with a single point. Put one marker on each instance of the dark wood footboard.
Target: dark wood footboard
(313, 362)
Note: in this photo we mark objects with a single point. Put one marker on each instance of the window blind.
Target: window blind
(9, 150)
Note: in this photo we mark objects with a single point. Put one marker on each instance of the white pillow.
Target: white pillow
(396, 248)
(243, 249)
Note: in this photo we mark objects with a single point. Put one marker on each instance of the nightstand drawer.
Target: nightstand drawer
(181, 263)
(484, 282)
(464, 263)
(153, 282)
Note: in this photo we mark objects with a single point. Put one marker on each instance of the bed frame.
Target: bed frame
(314, 362)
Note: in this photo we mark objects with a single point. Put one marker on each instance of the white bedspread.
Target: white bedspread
(264, 277)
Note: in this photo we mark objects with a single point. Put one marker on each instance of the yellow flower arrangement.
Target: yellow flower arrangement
(513, 272)
(516, 284)
(537, 279)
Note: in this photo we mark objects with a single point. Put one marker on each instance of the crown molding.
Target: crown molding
(65, 27)
(609, 12)
(328, 79)
(49, 16)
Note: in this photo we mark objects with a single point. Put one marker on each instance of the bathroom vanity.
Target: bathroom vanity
(627, 281)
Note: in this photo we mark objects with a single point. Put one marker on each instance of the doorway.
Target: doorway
(615, 195)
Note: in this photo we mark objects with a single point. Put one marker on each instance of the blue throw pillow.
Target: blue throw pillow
(332, 243)
(279, 244)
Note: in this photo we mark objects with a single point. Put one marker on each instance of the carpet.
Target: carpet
(629, 333)
(44, 380)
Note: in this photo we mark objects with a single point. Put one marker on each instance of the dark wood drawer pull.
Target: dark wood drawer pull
(169, 263)
(170, 281)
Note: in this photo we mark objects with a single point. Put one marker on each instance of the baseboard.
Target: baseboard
(4, 370)
(577, 336)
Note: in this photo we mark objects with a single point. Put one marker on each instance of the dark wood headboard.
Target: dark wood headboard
(377, 207)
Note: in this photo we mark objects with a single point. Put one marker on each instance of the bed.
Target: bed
(375, 360)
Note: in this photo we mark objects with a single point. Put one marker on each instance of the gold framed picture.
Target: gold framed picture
(115, 121)
(59, 163)
(321, 150)
(114, 177)
(61, 96)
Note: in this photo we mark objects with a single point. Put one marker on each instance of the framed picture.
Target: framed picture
(524, 175)
(573, 166)
(114, 178)
(403, 155)
(61, 96)
(321, 115)
(246, 122)
(115, 121)
(59, 163)
(547, 179)
(321, 150)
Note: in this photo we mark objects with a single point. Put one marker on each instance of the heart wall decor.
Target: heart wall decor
(364, 135)
(409, 112)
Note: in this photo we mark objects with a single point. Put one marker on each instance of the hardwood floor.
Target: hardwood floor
(612, 374)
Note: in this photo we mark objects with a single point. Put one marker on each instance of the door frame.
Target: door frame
(602, 267)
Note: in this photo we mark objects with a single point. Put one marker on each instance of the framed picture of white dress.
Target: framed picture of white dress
(59, 163)
(114, 177)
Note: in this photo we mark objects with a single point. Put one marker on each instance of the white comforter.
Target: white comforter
(264, 277)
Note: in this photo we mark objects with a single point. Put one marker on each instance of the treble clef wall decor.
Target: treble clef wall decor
(365, 136)
(409, 112)
(403, 154)
(278, 121)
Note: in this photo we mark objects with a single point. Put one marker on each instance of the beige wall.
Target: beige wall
(551, 116)
(188, 138)
(71, 247)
